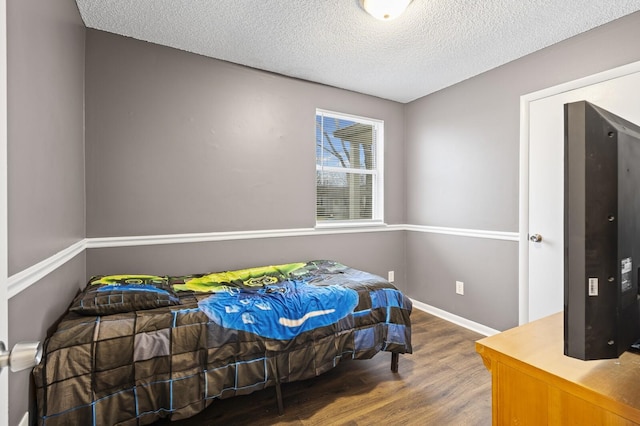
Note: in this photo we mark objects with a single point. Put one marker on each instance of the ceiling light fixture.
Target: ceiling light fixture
(385, 10)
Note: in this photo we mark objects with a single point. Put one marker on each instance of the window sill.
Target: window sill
(351, 224)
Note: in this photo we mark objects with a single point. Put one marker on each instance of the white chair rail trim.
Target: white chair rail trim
(27, 277)
(463, 232)
(24, 279)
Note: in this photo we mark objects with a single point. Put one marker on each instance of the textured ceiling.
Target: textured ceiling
(435, 44)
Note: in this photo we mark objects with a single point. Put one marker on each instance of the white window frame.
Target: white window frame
(377, 210)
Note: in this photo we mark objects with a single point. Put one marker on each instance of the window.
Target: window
(349, 157)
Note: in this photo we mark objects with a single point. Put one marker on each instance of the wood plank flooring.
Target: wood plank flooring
(442, 383)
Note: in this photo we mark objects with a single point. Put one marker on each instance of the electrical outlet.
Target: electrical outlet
(459, 287)
(391, 276)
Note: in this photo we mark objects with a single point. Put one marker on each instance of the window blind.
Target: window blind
(346, 168)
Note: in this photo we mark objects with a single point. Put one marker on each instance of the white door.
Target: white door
(620, 96)
(4, 322)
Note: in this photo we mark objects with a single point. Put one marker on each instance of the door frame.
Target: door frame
(525, 101)
(4, 272)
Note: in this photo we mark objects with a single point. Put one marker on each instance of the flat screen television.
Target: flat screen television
(602, 232)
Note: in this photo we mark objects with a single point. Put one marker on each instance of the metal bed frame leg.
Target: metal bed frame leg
(394, 368)
(279, 399)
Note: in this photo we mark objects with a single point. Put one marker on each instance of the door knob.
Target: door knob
(23, 355)
(535, 238)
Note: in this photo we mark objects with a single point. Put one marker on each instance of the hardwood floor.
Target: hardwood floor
(442, 383)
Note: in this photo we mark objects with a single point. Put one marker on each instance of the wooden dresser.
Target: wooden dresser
(534, 383)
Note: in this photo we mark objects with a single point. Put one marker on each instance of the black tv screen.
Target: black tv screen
(602, 232)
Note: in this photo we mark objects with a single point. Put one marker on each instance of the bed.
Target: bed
(133, 349)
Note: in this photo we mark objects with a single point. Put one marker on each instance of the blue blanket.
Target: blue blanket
(280, 311)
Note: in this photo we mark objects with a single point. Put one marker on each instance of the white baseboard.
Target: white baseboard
(25, 420)
(463, 322)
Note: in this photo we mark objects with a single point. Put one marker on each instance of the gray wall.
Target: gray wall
(180, 143)
(486, 267)
(376, 252)
(462, 155)
(31, 313)
(45, 53)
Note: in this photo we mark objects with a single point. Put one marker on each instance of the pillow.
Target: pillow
(112, 294)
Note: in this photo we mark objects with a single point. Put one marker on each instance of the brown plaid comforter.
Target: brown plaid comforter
(133, 368)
